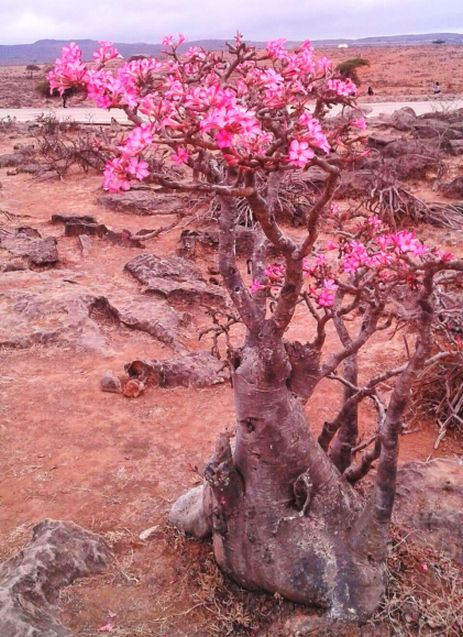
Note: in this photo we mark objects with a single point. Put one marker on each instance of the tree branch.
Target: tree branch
(232, 278)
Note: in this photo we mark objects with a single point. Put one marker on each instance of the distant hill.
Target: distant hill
(45, 51)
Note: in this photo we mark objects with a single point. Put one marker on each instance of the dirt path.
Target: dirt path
(99, 116)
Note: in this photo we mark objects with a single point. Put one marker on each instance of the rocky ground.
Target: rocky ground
(111, 403)
(395, 73)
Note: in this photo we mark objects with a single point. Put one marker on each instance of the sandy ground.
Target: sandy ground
(114, 465)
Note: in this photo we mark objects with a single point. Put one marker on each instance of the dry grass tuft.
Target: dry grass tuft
(230, 610)
(424, 591)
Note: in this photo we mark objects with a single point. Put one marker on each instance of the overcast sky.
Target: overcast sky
(25, 21)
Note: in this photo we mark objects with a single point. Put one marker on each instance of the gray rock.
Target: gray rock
(381, 139)
(65, 218)
(429, 500)
(142, 202)
(195, 369)
(110, 383)
(176, 279)
(10, 160)
(27, 243)
(48, 310)
(31, 580)
(77, 226)
(190, 240)
(188, 514)
(456, 146)
(403, 119)
(453, 188)
(153, 316)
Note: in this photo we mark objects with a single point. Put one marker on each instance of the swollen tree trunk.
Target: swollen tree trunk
(282, 518)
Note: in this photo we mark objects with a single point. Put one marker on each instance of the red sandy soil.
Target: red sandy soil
(395, 73)
(114, 465)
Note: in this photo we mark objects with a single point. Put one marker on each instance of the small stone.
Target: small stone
(148, 533)
(133, 388)
(188, 513)
(110, 383)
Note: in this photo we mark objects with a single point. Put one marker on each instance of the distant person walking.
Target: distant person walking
(436, 88)
(370, 91)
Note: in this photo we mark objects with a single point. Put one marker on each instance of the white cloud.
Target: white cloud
(148, 20)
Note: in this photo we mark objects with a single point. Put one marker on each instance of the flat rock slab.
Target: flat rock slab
(9, 160)
(28, 244)
(196, 369)
(153, 316)
(30, 581)
(429, 499)
(63, 217)
(76, 226)
(190, 240)
(45, 307)
(50, 311)
(176, 279)
(453, 188)
(142, 202)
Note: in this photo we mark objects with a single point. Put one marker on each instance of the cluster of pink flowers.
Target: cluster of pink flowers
(106, 52)
(180, 156)
(121, 170)
(326, 295)
(341, 88)
(69, 70)
(138, 140)
(397, 254)
(276, 49)
(231, 125)
(322, 289)
(169, 41)
(384, 250)
(186, 98)
(312, 132)
(300, 153)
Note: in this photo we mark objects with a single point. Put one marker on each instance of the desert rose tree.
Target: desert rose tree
(241, 125)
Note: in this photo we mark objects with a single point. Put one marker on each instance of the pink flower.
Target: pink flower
(105, 53)
(324, 65)
(406, 241)
(300, 153)
(139, 139)
(313, 132)
(327, 294)
(69, 70)
(276, 49)
(115, 176)
(444, 256)
(180, 156)
(256, 286)
(359, 122)
(224, 138)
(167, 40)
(275, 271)
(342, 88)
(138, 168)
